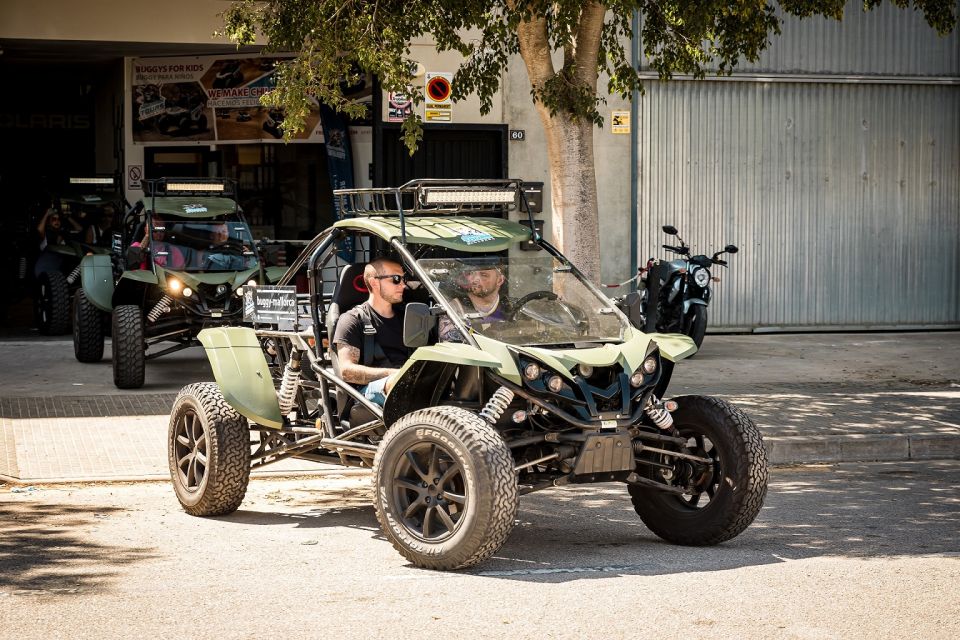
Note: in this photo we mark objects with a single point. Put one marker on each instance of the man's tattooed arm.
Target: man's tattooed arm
(355, 373)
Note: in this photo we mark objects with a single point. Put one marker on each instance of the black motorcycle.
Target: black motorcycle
(681, 288)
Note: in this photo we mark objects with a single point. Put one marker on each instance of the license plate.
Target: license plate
(216, 314)
(608, 424)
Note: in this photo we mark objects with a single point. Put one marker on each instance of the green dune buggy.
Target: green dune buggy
(561, 389)
(178, 272)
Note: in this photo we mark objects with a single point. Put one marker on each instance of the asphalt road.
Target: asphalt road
(851, 551)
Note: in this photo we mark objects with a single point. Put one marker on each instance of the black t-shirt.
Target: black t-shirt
(389, 336)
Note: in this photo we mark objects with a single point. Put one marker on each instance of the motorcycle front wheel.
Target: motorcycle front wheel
(697, 324)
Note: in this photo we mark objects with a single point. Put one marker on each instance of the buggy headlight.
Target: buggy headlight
(187, 292)
(531, 371)
(701, 277)
(174, 285)
(636, 379)
(649, 365)
(555, 383)
(585, 370)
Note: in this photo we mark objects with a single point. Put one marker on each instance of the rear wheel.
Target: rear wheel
(129, 347)
(87, 329)
(719, 499)
(53, 303)
(446, 492)
(208, 450)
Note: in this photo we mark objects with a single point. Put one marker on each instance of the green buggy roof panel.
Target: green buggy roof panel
(192, 206)
(459, 233)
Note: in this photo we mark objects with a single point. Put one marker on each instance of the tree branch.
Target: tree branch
(589, 34)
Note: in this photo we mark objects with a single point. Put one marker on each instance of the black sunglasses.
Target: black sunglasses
(397, 279)
(394, 278)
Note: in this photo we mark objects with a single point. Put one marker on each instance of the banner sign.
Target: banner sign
(211, 99)
(266, 304)
(339, 166)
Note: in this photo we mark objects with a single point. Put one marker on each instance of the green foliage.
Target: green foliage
(336, 40)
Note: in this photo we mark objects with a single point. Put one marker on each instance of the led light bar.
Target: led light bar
(91, 180)
(486, 196)
(193, 186)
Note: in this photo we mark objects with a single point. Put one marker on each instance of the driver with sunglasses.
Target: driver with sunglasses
(369, 337)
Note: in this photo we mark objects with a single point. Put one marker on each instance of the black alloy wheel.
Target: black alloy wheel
(429, 491)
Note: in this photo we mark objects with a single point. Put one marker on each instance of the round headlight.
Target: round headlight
(701, 277)
(239, 292)
(586, 370)
(649, 365)
(174, 285)
(531, 371)
(187, 292)
(251, 283)
(636, 379)
(221, 289)
(555, 383)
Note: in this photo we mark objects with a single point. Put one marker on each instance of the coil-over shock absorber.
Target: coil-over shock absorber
(73, 275)
(288, 385)
(658, 412)
(160, 308)
(496, 405)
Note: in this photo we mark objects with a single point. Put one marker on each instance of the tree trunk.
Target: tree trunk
(573, 190)
(573, 178)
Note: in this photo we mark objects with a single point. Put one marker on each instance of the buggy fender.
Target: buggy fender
(674, 346)
(96, 276)
(241, 371)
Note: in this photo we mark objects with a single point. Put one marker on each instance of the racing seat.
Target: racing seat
(349, 291)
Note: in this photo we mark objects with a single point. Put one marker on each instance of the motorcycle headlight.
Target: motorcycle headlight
(701, 277)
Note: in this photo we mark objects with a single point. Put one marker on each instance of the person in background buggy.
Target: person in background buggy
(481, 282)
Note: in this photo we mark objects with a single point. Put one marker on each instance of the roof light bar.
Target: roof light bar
(91, 180)
(486, 196)
(192, 186)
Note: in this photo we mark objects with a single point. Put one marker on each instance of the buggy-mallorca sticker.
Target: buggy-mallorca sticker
(194, 208)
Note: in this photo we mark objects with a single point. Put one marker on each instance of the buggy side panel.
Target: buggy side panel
(674, 346)
(241, 371)
(97, 279)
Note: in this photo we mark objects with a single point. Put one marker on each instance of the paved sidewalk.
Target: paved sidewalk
(816, 398)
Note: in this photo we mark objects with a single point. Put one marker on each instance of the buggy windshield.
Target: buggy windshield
(523, 301)
(190, 244)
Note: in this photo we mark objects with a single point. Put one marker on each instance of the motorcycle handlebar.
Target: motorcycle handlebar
(674, 249)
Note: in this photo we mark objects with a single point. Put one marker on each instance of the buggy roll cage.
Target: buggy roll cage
(436, 197)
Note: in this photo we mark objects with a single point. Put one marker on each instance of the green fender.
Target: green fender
(274, 273)
(241, 371)
(493, 354)
(96, 277)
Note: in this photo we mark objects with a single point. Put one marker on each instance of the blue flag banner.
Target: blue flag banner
(339, 165)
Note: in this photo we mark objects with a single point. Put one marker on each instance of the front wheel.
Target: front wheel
(208, 449)
(697, 324)
(129, 347)
(446, 491)
(53, 303)
(87, 329)
(720, 499)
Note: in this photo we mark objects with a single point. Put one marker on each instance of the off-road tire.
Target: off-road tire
(698, 324)
(87, 329)
(740, 480)
(489, 487)
(129, 347)
(53, 303)
(201, 409)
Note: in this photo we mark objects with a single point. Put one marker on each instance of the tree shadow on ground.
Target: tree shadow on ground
(592, 531)
(849, 511)
(43, 549)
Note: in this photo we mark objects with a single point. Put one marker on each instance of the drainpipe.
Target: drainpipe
(634, 140)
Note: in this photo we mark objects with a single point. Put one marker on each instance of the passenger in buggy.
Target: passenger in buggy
(481, 282)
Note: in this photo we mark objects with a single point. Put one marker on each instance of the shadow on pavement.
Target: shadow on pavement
(42, 549)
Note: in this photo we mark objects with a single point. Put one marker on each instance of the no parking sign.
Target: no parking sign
(438, 88)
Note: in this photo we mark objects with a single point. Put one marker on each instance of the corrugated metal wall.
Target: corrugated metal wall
(844, 199)
(844, 196)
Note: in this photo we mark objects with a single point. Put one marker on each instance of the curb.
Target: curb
(885, 447)
(165, 477)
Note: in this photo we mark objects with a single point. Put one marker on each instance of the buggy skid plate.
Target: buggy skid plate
(604, 457)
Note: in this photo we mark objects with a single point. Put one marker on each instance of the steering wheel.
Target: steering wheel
(530, 297)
